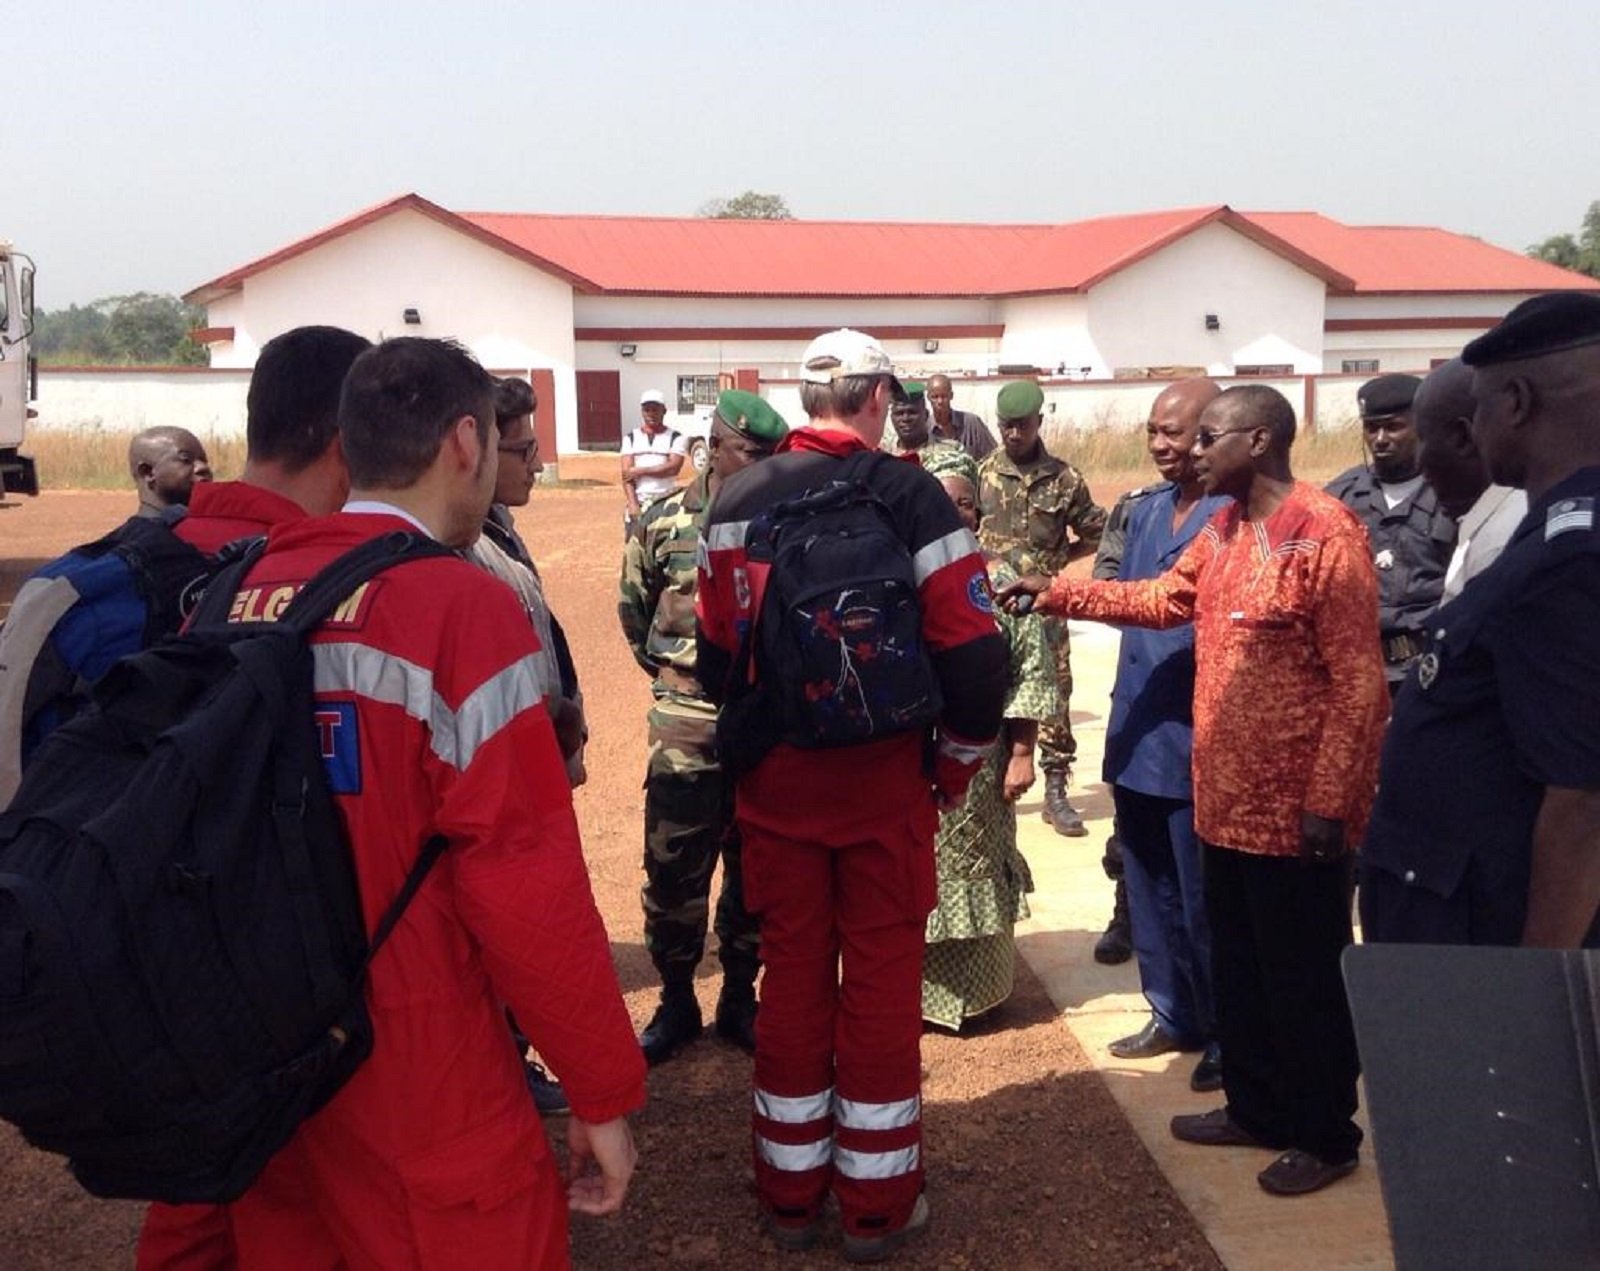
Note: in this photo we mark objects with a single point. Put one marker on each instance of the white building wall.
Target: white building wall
(1153, 312)
(769, 311)
(511, 315)
(1454, 304)
(1050, 332)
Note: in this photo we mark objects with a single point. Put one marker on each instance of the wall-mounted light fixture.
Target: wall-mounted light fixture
(627, 350)
(1213, 323)
(412, 317)
(930, 346)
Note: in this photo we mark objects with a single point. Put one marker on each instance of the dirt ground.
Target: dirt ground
(1030, 1163)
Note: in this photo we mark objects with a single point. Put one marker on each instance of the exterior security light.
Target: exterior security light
(412, 318)
(1213, 323)
(627, 350)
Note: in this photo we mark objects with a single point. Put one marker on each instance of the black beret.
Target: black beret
(1546, 324)
(1387, 395)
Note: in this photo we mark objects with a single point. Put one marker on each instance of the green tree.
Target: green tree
(749, 206)
(134, 330)
(1581, 251)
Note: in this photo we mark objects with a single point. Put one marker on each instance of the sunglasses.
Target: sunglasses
(1208, 437)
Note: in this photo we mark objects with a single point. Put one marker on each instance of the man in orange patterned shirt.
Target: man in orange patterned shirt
(1289, 704)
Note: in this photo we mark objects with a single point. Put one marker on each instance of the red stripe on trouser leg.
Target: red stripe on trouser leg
(841, 1000)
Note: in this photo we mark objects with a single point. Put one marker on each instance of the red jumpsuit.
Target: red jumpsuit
(839, 860)
(433, 1154)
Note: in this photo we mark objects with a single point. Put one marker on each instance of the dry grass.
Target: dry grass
(96, 458)
(1119, 451)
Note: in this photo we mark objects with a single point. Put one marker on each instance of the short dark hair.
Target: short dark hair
(513, 398)
(292, 412)
(400, 401)
(839, 400)
(1260, 406)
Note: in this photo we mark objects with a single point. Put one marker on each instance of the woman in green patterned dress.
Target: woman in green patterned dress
(983, 879)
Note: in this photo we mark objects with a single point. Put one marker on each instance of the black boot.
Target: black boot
(675, 1024)
(736, 1013)
(1116, 945)
(1057, 810)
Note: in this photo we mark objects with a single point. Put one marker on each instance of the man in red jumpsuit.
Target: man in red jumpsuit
(430, 711)
(294, 467)
(839, 858)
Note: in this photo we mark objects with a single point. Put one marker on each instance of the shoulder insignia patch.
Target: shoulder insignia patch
(979, 594)
(1567, 515)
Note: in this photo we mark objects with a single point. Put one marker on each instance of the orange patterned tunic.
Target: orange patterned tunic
(1289, 697)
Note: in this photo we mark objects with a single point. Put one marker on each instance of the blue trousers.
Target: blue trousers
(1161, 861)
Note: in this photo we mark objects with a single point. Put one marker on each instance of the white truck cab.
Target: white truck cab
(19, 376)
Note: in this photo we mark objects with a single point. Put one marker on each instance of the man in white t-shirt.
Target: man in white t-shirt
(652, 456)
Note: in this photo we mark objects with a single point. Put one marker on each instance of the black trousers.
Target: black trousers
(1277, 929)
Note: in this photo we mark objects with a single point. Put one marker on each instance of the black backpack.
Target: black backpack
(182, 949)
(838, 647)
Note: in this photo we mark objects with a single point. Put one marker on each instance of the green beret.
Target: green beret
(914, 388)
(950, 461)
(1019, 399)
(1551, 323)
(750, 416)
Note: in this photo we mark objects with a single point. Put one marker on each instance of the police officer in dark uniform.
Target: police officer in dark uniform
(1412, 536)
(1487, 825)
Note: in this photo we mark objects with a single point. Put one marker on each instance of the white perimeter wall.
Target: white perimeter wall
(209, 403)
(509, 314)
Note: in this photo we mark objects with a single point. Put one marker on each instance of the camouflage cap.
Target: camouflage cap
(951, 461)
(750, 416)
(1019, 399)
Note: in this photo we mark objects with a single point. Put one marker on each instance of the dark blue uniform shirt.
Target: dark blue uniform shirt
(1150, 736)
(1505, 703)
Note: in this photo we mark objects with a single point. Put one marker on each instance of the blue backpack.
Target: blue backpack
(100, 602)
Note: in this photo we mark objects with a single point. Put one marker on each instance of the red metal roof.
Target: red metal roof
(636, 255)
(1407, 258)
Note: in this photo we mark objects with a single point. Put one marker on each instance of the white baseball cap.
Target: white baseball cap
(652, 397)
(836, 354)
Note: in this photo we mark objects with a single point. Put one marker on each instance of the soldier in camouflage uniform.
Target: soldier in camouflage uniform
(1037, 514)
(688, 806)
(913, 431)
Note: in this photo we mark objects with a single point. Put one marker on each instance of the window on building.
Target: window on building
(697, 390)
(1265, 368)
(1359, 366)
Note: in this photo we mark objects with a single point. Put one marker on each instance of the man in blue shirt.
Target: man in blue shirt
(1148, 743)
(1487, 824)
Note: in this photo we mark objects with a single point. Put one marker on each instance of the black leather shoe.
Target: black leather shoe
(1298, 1173)
(675, 1024)
(1207, 1075)
(1213, 1129)
(1148, 1042)
(736, 1016)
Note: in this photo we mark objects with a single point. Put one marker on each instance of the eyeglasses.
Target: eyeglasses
(522, 449)
(1207, 437)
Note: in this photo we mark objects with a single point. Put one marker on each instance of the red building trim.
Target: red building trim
(1409, 324)
(212, 335)
(970, 331)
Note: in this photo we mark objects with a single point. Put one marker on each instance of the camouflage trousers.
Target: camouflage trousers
(688, 825)
(1057, 746)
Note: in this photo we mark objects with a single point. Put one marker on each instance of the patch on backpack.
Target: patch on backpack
(339, 737)
(1568, 514)
(980, 593)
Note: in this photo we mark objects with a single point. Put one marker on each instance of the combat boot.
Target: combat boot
(1116, 945)
(1058, 812)
(675, 1024)
(736, 1014)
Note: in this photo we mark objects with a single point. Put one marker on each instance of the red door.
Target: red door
(599, 410)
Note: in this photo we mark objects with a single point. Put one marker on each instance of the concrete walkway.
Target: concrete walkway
(1340, 1228)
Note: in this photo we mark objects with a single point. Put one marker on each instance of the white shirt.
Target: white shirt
(653, 452)
(1483, 534)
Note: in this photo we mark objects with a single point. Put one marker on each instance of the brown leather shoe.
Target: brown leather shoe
(1213, 1129)
(1298, 1173)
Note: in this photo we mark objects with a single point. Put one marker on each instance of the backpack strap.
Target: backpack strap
(332, 585)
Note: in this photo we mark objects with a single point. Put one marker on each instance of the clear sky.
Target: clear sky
(153, 146)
